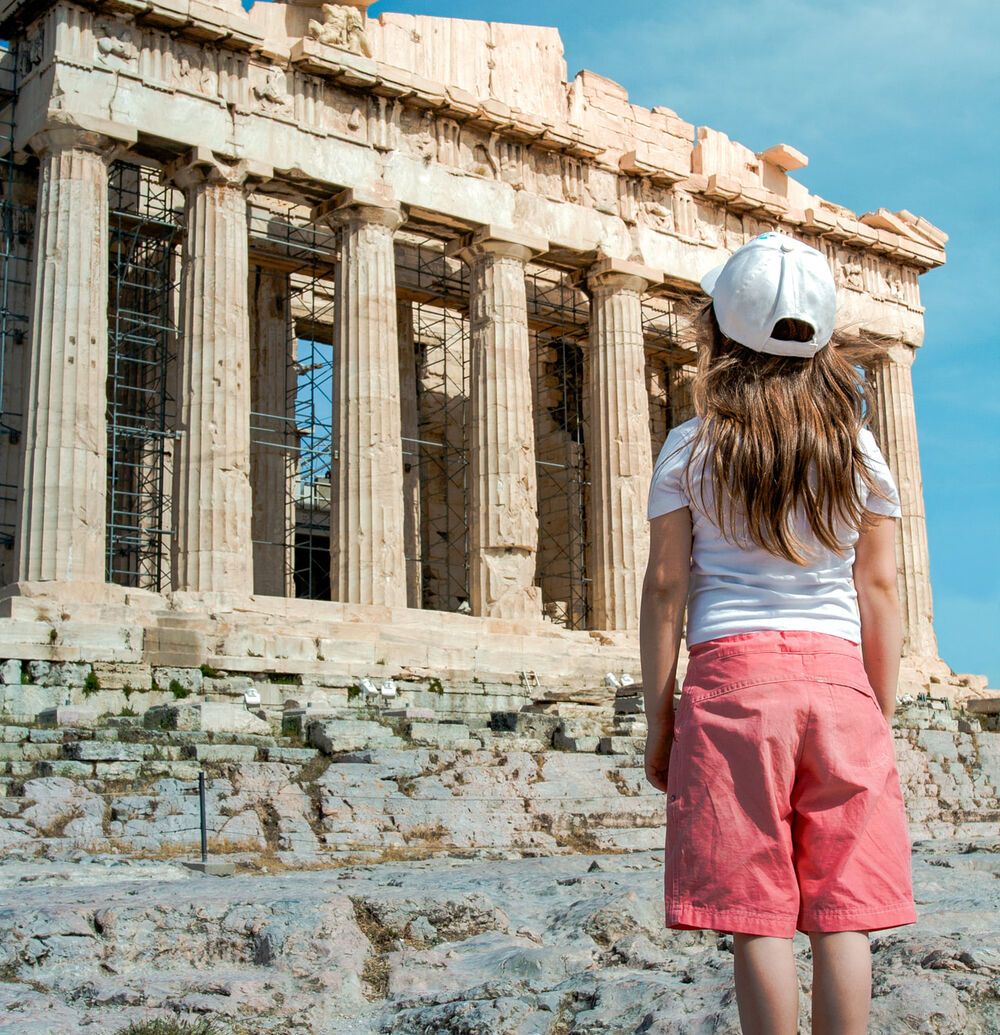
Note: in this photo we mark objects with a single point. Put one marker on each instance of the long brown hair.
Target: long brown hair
(779, 431)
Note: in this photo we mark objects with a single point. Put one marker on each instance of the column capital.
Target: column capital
(201, 165)
(899, 354)
(101, 136)
(496, 240)
(377, 205)
(617, 275)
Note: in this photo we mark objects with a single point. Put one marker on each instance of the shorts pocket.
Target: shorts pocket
(864, 734)
(865, 688)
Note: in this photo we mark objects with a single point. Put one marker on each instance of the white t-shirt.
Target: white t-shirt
(740, 589)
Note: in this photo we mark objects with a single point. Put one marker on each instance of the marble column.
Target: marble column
(503, 486)
(271, 432)
(62, 515)
(618, 448)
(410, 427)
(367, 545)
(897, 437)
(213, 550)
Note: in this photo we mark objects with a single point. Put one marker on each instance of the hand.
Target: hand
(659, 741)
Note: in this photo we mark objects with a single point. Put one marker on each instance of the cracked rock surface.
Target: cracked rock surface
(529, 946)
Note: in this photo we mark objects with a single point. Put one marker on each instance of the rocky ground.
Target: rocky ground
(396, 874)
(532, 946)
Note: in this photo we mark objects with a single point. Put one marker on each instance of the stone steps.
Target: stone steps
(399, 780)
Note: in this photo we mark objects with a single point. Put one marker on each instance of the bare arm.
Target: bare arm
(878, 605)
(661, 614)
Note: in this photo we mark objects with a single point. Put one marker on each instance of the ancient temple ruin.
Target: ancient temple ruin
(334, 339)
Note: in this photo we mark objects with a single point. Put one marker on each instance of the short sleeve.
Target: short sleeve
(666, 491)
(879, 470)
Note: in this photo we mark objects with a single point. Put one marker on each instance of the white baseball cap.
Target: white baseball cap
(771, 278)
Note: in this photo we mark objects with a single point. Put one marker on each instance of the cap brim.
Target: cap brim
(708, 281)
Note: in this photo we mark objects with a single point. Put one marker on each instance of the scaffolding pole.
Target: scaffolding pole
(17, 219)
(145, 222)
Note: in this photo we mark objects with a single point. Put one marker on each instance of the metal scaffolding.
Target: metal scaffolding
(17, 219)
(145, 220)
(663, 386)
(437, 288)
(283, 239)
(558, 317)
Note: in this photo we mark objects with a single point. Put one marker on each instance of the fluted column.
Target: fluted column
(61, 528)
(367, 555)
(897, 436)
(271, 432)
(503, 488)
(410, 425)
(212, 497)
(618, 447)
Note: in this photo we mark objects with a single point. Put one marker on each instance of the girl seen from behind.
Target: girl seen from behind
(772, 526)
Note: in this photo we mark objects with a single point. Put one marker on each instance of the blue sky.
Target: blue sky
(895, 105)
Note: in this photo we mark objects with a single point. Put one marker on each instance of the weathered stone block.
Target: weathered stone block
(103, 642)
(14, 734)
(296, 756)
(15, 768)
(10, 672)
(173, 769)
(189, 679)
(52, 673)
(512, 742)
(26, 701)
(335, 735)
(46, 736)
(29, 752)
(118, 675)
(410, 712)
(106, 751)
(295, 721)
(69, 715)
(452, 735)
(117, 770)
(227, 686)
(24, 639)
(210, 716)
(224, 752)
(586, 744)
(527, 724)
(622, 745)
(66, 767)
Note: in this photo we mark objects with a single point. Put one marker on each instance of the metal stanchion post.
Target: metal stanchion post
(216, 868)
(204, 824)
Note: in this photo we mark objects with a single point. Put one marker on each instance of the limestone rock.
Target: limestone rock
(211, 716)
(446, 946)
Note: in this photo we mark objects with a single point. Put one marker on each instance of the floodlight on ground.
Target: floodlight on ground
(389, 689)
(612, 680)
(626, 680)
(369, 687)
(251, 697)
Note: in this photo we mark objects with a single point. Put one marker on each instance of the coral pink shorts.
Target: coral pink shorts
(784, 809)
